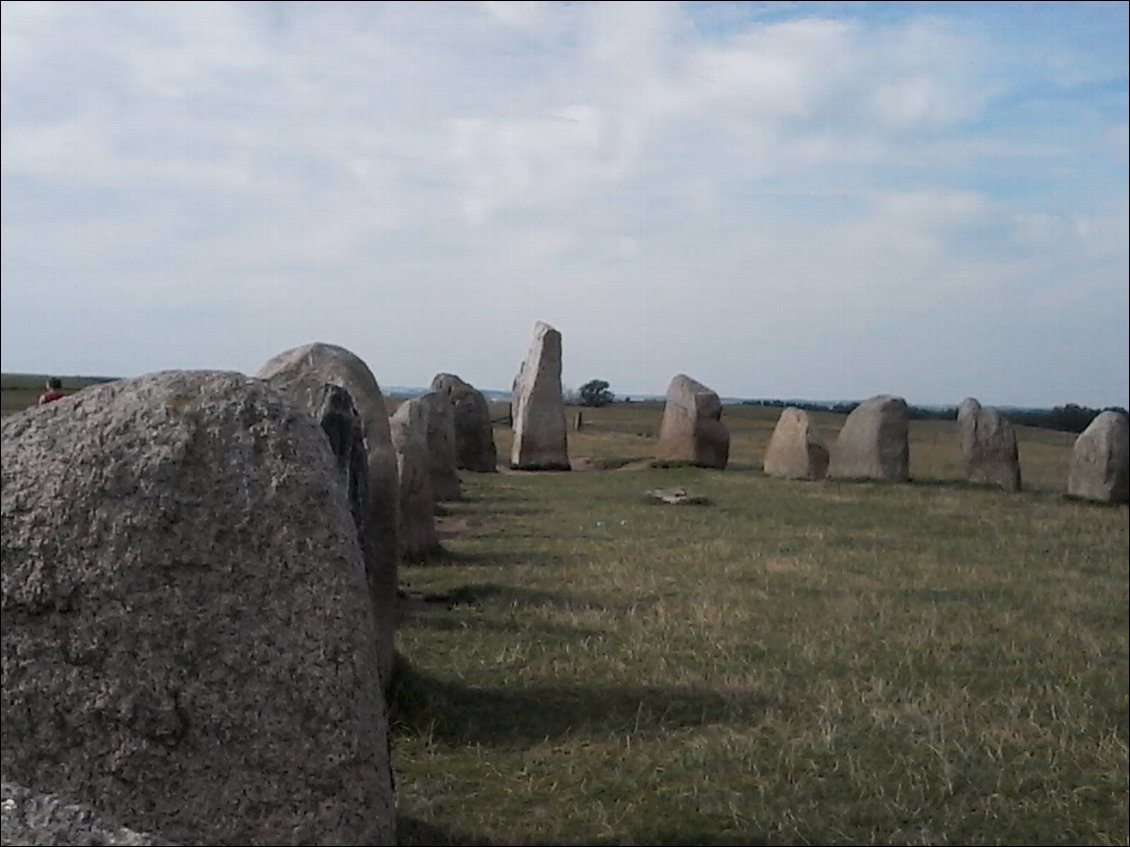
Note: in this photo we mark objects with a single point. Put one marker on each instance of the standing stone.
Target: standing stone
(442, 463)
(474, 435)
(691, 429)
(188, 639)
(873, 443)
(539, 413)
(409, 425)
(796, 449)
(328, 363)
(988, 446)
(1100, 460)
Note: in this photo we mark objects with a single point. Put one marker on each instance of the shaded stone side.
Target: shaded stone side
(1100, 460)
(474, 436)
(691, 429)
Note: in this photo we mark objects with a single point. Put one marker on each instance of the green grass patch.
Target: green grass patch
(847, 663)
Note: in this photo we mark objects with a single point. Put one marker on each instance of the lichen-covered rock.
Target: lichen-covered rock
(46, 819)
(327, 363)
(873, 443)
(188, 639)
(988, 446)
(540, 441)
(474, 435)
(409, 425)
(796, 449)
(1100, 460)
(691, 429)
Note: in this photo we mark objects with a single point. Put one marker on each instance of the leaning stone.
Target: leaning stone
(474, 435)
(1100, 460)
(328, 363)
(409, 425)
(796, 449)
(188, 638)
(873, 443)
(988, 446)
(540, 441)
(691, 429)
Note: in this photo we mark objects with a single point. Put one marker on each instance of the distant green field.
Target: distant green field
(19, 391)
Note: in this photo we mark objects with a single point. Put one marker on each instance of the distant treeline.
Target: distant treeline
(1069, 418)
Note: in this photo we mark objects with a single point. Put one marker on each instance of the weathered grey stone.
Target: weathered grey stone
(46, 819)
(796, 449)
(327, 363)
(440, 419)
(474, 435)
(691, 429)
(988, 446)
(873, 443)
(540, 441)
(1100, 460)
(187, 635)
(409, 426)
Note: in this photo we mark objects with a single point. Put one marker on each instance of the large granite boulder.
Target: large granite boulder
(538, 411)
(691, 429)
(474, 435)
(1100, 460)
(440, 419)
(315, 364)
(796, 449)
(409, 425)
(988, 446)
(188, 638)
(873, 443)
(47, 819)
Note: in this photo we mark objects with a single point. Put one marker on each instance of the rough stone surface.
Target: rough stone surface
(327, 363)
(540, 441)
(873, 443)
(440, 419)
(796, 450)
(46, 819)
(188, 639)
(988, 446)
(1100, 460)
(691, 429)
(409, 426)
(474, 435)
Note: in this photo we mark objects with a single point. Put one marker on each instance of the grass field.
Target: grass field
(790, 663)
(793, 663)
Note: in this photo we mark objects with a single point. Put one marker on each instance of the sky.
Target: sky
(821, 201)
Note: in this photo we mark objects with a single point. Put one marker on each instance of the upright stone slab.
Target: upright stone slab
(474, 435)
(187, 634)
(873, 443)
(691, 429)
(1100, 460)
(988, 446)
(440, 419)
(328, 363)
(539, 413)
(796, 449)
(409, 425)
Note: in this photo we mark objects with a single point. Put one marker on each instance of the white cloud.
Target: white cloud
(677, 188)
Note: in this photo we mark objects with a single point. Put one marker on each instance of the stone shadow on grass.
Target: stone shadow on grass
(525, 713)
(410, 831)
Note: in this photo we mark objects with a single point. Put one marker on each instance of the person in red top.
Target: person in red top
(53, 392)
